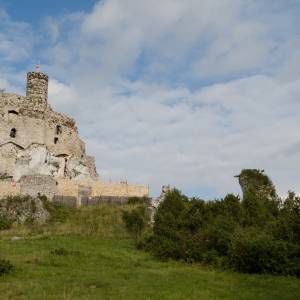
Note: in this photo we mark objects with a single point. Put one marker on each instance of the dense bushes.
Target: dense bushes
(256, 234)
(253, 251)
(139, 200)
(5, 267)
(135, 221)
(5, 223)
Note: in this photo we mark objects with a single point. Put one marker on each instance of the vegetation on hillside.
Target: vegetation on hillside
(87, 254)
(257, 234)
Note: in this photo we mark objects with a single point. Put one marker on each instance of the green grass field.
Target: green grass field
(101, 262)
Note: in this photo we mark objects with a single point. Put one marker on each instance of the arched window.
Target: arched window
(13, 133)
(58, 129)
(55, 140)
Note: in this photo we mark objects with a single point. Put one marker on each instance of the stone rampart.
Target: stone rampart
(9, 188)
(83, 192)
(33, 185)
(98, 188)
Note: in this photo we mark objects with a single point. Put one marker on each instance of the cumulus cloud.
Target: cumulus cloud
(15, 39)
(195, 140)
(174, 40)
(181, 92)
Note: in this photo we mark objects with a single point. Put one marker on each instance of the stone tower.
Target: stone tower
(37, 92)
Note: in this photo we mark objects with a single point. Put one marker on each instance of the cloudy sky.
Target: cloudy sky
(168, 91)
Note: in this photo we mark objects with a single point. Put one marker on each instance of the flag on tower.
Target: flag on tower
(37, 67)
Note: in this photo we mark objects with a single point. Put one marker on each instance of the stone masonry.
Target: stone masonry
(37, 143)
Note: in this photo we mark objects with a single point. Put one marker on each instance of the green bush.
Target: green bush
(194, 230)
(167, 238)
(259, 234)
(5, 267)
(253, 251)
(135, 221)
(138, 200)
(60, 251)
(5, 223)
(58, 212)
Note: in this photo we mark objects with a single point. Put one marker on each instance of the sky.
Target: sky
(186, 93)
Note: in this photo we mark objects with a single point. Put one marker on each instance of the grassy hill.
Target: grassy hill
(87, 254)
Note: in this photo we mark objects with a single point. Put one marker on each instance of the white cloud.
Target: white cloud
(15, 39)
(198, 39)
(195, 140)
(181, 92)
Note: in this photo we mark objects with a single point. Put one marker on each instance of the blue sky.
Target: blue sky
(180, 92)
(33, 11)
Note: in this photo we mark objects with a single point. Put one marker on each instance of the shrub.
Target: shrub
(58, 213)
(260, 234)
(5, 267)
(145, 241)
(166, 231)
(5, 223)
(139, 200)
(253, 251)
(135, 221)
(60, 251)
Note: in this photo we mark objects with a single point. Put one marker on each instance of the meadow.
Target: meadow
(87, 254)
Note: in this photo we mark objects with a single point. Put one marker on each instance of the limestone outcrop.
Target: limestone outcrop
(36, 159)
(157, 201)
(256, 182)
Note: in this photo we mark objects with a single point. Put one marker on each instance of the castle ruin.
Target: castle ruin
(41, 152)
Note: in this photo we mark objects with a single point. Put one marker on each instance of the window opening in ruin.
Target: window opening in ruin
(55, 140)
(13, 112)
(58, 129)
(13, 133)
(65, 169)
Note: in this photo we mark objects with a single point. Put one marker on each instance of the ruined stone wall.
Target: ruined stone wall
(8, 188)
(36, 140)
(43, 153)
(57, 132)
(27, 130)
(37, 94)
(67, 188)
(70, 189)
(38, 184)
(98, 188)
(8, 158)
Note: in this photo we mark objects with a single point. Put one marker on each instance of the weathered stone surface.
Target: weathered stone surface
(157, 201)
(36, 140)
(33, 185)
(165, 189)
(39, 147)
(38, 160)
(23, 209)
